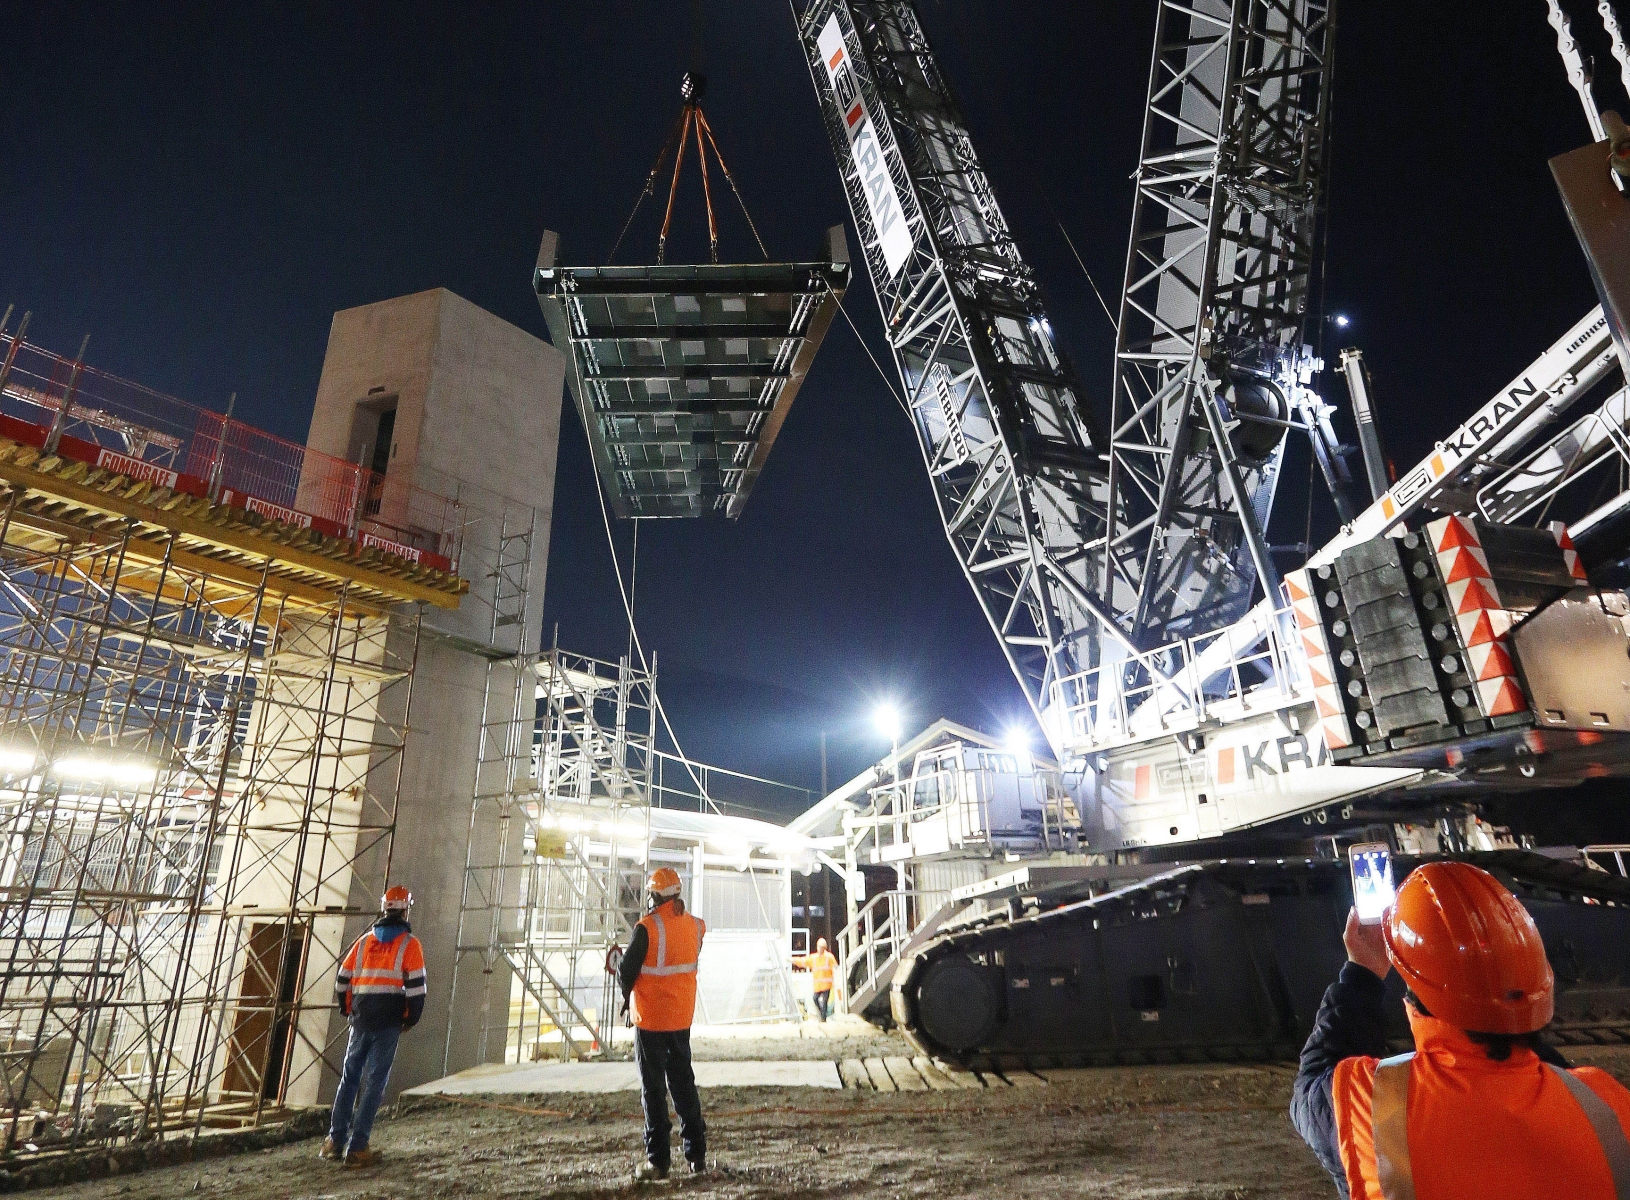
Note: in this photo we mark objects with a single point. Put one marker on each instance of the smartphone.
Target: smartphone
(1373, 892)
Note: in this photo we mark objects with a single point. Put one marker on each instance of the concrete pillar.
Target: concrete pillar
(470, 406)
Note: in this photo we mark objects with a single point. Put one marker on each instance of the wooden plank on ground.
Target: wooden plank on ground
(935, 1078)
(853, 1073)
(879, 1075)
(959, 1076)
(991, 1079)
(1021, 1078)
(904, 1074)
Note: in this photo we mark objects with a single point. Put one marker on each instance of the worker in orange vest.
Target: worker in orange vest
(1483, 1108)
(821, 965)
(381, 988)
(658, 977)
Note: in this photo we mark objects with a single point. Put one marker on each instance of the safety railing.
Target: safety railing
(1618, 856)
(870, 946)
(64, 407)
(870, 943)
(962, 807)
(1250, 665)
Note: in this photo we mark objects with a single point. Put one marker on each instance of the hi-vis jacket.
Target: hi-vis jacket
(659, 970)
(381, 983)
(820, 965)
(1447, 1122)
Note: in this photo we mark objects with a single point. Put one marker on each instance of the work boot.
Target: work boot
(329, 1150)
(649, 1172)
(362, 1158)
(698, 1166)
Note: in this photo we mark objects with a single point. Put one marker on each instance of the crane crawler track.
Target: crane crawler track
(1222, 961)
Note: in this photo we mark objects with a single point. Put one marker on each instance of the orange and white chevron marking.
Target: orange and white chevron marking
(1480, 616)
(1569, 555)
(1304, 606)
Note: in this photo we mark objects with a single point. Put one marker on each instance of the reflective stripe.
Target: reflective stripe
(1389, 1118)
(1389, 1114)
(663, 966)
(1605, 1122)
(366, 980)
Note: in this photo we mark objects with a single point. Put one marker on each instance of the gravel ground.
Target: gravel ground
(1176, 1133)
(841, 1037)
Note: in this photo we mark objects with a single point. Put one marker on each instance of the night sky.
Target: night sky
(200, 195)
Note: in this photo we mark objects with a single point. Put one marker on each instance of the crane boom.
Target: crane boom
(1015, 458)
(1085, 549)
(1210, 364)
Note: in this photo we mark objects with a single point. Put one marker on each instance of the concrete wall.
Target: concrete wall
(477, 420)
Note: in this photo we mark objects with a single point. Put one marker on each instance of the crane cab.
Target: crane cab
(963, 798)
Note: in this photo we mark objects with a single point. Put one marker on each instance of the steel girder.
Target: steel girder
(1016, 462)
(1210, 365)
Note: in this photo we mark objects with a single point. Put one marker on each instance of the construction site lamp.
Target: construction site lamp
(17, 762)
(1017, 743)
(887, 720)
(92, 768)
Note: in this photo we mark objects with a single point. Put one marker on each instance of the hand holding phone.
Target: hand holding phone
(1373, 891)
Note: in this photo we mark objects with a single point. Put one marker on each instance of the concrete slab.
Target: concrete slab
(545, 1078)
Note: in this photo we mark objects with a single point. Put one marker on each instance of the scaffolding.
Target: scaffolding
(547, 899)
(203, 711)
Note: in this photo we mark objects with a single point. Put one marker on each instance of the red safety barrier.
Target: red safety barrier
(131, 430)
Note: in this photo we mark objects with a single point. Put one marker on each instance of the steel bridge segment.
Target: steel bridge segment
(1014, 457)
(1210, 363)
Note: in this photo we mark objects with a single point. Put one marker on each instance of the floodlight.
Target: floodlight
(96, 768)
(1017, 743)
(15, 761)
(1341, 321)
(887, 720)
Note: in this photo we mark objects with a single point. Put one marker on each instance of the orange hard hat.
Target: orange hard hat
(396, 897)
(664, 880)
(1469, 950)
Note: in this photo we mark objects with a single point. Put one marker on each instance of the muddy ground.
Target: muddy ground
(1177, 1133)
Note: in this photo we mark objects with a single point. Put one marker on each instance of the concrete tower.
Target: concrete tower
(437, 394)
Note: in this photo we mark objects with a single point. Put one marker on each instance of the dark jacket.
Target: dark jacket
(384, 1011)
(633, 961)
(1351, 1023)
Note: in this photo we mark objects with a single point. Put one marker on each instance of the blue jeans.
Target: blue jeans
(823, 1003)
(368, 1057)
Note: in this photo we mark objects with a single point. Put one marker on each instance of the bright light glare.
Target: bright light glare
(1341, 321)
(887, 719)
(571, 824)
(124, 772)
(1017, 743)
(16, 762)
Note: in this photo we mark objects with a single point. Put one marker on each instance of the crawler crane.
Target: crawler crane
(1446, 645)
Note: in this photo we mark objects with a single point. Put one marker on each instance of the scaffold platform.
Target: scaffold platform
(208, 638)
(81, 449)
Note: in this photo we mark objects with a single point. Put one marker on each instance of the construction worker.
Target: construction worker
(381, 988)
(1483, 1107)
(658, 976)
(821, 965)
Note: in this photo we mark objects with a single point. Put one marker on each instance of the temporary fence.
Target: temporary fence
(76, 412)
